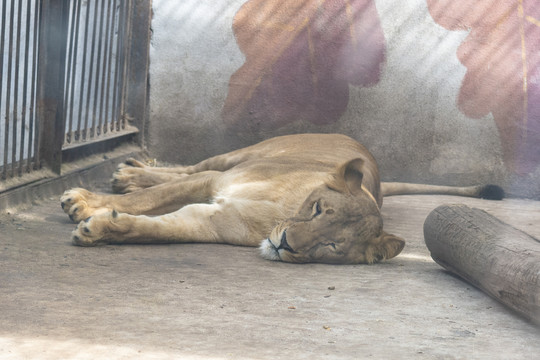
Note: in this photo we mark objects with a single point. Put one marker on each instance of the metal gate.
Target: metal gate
(74, 73)
(19, 22)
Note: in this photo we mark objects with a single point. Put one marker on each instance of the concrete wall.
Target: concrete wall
(443, 91)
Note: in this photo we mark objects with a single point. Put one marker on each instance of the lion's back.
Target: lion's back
(288, 166)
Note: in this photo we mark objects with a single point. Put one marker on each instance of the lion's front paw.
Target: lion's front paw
(90, 232)
(80, 204)
(83, 235)
(101, 229)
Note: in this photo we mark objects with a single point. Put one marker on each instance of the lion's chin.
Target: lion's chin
(269, 251)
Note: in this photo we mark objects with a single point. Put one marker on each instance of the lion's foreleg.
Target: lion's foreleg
(208, 223)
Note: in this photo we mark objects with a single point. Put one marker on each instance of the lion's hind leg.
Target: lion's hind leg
(160, 199)
(133, 175)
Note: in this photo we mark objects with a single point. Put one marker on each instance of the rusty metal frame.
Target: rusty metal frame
(47, 67)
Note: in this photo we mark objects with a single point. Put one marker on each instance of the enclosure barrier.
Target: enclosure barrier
(72, 74)
(19, 23)
(96, 71)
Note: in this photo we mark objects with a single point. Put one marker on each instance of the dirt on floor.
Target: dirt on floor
(198, 301)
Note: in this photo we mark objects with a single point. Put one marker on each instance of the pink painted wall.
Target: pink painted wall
(502, 56)
(301, 57)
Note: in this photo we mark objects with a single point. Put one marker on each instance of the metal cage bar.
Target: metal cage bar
(33, 138)
(107, 56)
(8, 118)
(71, 64)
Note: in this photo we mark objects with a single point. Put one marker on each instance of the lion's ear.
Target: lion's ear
(388, 246)
(348, 177)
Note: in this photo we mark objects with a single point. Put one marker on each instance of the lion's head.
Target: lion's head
(338, 223)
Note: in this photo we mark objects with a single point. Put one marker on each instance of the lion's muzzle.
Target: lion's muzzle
(269, 251)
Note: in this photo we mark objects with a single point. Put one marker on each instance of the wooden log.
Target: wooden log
(490, 254)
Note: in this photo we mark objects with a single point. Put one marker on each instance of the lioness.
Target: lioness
(312, 197)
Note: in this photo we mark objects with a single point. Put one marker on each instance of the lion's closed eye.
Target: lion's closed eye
(316, 209)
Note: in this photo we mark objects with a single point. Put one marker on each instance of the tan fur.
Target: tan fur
(313, 197)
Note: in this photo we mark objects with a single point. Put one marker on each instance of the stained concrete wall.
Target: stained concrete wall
(440, 91)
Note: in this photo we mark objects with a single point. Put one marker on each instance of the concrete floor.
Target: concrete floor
(223, 302)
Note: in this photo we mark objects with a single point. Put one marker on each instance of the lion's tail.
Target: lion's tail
(491, 192)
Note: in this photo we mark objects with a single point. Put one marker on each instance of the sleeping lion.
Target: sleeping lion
(311, 197)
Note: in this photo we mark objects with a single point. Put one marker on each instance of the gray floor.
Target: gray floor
(224, 302)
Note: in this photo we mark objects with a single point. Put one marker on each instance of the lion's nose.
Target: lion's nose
(284, 244)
